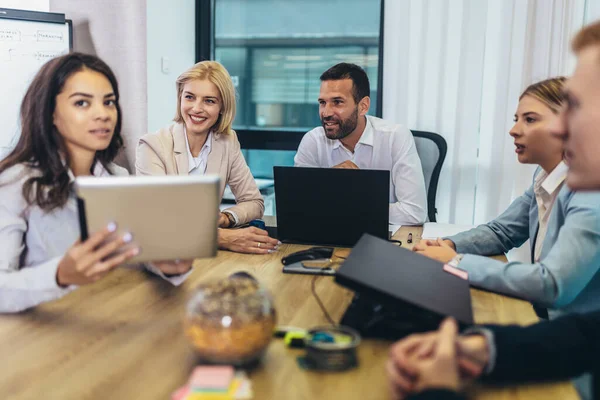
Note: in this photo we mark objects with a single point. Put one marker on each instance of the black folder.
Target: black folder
(399, 291)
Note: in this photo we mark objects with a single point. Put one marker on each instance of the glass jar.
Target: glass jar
(230, 321)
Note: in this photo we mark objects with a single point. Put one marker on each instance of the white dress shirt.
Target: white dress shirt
(197, 165)
(546, 188)
(382, 146)
(32, 242)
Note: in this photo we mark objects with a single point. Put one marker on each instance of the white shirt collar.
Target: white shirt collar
(99, 170)
(365, 138)
(206, 148)
(550, 182)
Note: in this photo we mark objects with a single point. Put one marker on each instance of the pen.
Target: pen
(409, 238)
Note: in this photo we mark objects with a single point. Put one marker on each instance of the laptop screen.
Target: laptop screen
(330, 206)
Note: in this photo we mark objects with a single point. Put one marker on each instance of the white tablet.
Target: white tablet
(170, 217)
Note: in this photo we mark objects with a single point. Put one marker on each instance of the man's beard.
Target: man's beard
(345, 127)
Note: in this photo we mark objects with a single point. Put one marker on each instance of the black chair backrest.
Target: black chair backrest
(432, 150)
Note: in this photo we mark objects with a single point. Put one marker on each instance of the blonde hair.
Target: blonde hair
(549, 92)
(586, 37)
(218, 75)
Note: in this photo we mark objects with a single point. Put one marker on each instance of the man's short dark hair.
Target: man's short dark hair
(360, 80)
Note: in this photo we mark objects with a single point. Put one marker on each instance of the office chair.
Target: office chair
(432, 149)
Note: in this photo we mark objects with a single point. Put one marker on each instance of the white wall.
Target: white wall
(115, 31)
(32, 5)
(171, 36)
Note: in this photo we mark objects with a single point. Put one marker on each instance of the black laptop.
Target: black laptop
(399, 291)
(329, 206)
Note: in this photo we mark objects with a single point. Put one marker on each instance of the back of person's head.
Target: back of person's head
(580, 125)
(40, 145)
(589, 36)
(360, 80)
(549, 92)
(217, 74)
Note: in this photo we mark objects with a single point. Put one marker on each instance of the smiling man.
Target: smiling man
(351, 139)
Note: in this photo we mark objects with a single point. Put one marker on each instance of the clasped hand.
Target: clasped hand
(435, 360)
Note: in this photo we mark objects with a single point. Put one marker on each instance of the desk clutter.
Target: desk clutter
(328, 348)
(313, 261)
(215, 382)
(295, 306)
(230, 321)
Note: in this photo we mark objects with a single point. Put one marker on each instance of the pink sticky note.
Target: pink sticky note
(456, 272)
(181, 393)
(211, 377)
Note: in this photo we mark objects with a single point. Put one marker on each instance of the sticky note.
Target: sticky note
(456, 272)
(211, 377)
(228, 395)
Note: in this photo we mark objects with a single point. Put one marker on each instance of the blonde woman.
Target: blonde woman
(201, 141)
(562, 225)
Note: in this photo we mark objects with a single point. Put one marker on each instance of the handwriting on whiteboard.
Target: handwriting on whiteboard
(15, 35)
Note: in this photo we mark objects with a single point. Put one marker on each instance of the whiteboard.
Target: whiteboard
(25, 45)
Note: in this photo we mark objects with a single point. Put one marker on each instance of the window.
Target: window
(275, 51)
(278, 84)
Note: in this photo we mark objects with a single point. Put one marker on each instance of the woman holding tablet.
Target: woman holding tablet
(70, 122)
(563, 226)
(201, 141)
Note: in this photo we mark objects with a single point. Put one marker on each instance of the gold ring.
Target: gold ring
(258, 244)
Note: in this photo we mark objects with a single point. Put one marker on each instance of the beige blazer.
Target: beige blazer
(164, 153)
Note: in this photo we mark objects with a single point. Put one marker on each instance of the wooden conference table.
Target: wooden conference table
(122, 338)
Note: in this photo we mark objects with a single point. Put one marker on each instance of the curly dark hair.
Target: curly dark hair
(40, 145)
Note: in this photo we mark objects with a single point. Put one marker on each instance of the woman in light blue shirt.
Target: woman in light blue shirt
(563, 226)
(71, 123)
